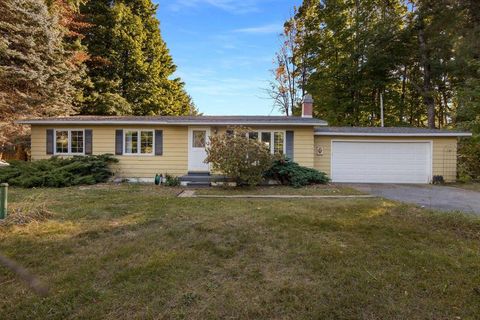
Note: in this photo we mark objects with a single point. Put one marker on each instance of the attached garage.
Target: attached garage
(381, 161)
(386, 155)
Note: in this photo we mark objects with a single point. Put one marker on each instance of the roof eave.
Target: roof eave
(371, 134)
(166, 123)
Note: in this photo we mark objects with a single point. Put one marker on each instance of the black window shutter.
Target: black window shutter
(289, 145)
(119, 142)
(88, 141)
(158, 142)
(49, 145)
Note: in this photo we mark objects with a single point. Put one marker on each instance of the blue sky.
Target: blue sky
(224, 50)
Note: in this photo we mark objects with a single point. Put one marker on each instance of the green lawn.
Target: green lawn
(125, 252)
(321, 190)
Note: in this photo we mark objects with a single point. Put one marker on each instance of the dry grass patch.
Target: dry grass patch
(32, 209)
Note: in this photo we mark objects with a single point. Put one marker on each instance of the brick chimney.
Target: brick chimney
(307, 106)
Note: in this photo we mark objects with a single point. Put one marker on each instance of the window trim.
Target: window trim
(139, 142)
(69, 144)
(272, 139)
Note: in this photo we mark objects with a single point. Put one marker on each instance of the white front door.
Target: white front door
(381, 161)
(197, 142)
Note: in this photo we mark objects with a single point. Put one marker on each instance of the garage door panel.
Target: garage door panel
(387, 162)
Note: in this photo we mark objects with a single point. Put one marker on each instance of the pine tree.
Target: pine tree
(37, 73)
(130, 66)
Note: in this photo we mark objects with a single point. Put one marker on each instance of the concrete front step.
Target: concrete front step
(196, 184)
(198, 174)
(200, 179)
(196, 178)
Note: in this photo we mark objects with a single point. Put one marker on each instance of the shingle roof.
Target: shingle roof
(181, 120)
(386, 131)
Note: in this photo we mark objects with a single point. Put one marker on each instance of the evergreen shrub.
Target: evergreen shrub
(291, 173)
(59, 172)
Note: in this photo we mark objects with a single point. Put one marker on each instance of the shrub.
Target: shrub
(291, 173)
(171, 181)
(469, 159)
(238, 157)
(58, 172)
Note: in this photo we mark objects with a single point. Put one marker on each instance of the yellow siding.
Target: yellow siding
(445, 158)
(175, 143)
(322, 161)
(303, 149)
(38, 142)
(173, 161)
(175, 148)
(444, 153)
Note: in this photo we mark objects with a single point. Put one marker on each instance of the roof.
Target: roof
(180, 120)
(388, 131)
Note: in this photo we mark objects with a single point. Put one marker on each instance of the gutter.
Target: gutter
(370, 134)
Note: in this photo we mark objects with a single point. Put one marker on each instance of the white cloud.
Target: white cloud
(265, 29)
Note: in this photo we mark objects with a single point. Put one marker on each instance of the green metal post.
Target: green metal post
(3, 200)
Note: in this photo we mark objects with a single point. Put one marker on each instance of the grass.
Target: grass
(321, 190)
(124, 252)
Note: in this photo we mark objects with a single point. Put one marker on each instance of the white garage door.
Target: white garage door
(381, 162)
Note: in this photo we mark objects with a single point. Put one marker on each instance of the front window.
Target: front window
(131, 142)
(146, 142)
(76, 141)
(138, 142)
(267, 139)
(274, 140)
(278, 143)
(61, 138)
(253, 135)
(69, 141)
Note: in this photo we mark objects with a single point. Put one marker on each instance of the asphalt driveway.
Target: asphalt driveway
(428, 196)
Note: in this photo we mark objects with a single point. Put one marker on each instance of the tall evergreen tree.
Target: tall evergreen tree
(37, 73)
(130, 67)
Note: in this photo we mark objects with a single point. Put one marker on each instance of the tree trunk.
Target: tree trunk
(440, 113)
(445, 107)
(427, 89)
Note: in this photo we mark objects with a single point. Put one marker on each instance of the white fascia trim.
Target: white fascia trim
(196, 123)
(351, 134)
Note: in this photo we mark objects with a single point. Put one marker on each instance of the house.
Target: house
(146, 146)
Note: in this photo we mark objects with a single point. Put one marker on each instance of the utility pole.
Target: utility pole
(381, 109)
